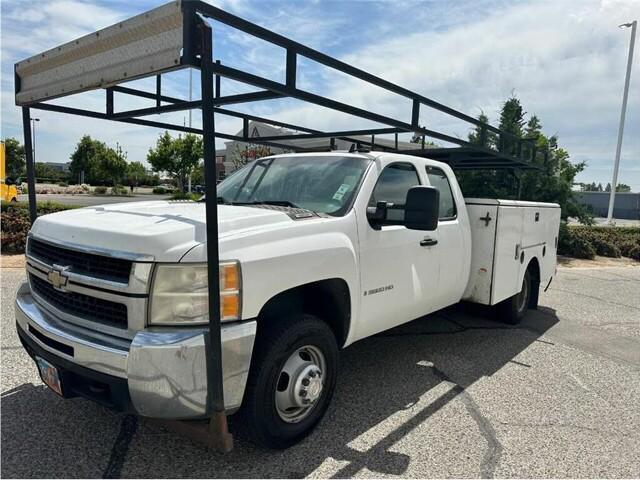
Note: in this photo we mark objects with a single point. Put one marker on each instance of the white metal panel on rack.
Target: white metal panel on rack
(143, 45)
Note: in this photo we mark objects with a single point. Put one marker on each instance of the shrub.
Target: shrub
(634, 252)
(118, 190)
(631, 249)
(581, 248)
(186, 196)
(100, 190)
(15, 227)
(604, 247)
(15, 223)
(159, 190)
(63, 184)
(43, 207)
(586, 241)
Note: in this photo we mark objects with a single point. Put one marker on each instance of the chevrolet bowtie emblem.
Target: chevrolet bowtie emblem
(57, 278)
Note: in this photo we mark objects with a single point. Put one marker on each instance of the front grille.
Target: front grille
(99, 266)
(93, 309)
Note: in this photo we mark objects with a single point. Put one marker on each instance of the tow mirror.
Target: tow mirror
(421, 209)
(377, 215)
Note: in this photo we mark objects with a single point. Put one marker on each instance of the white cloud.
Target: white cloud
(565, 60)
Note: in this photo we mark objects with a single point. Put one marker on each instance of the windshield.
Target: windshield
(324, 184)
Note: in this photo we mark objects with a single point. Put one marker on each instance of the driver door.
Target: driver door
(399, 270)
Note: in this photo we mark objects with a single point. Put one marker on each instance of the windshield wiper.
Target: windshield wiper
(281, 203)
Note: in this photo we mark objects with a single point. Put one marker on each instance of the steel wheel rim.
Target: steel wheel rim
(304, 371)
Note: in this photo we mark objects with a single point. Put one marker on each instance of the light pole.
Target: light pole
(33, 129)
(625, 97)
(190, 96)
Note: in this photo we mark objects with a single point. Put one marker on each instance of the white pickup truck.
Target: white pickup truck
(318, 251)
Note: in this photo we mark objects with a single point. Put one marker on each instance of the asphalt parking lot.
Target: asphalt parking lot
(450, 395)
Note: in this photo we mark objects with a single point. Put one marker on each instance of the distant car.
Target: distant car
(168, 187)
(198, 189)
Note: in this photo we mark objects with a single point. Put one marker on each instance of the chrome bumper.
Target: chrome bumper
(165, 368)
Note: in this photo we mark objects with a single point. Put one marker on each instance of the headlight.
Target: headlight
(179, 294)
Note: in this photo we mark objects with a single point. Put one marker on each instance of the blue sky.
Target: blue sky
(564, 59)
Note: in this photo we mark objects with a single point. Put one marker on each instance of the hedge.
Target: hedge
(186, 196)
(582, 241)
(15, 223)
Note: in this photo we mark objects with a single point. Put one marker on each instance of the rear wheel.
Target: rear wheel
(291, 382)
(514, 308)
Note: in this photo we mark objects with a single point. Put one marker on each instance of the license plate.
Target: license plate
(49, 375)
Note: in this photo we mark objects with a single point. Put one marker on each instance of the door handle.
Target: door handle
(428, 242)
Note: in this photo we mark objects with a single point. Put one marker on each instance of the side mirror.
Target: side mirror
(421, 209)
(8, 181)
(377, 215)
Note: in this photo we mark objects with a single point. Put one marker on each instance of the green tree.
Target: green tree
(622, 187)
(551, 181)
(46, 172)
(15, 158)
(486, 183)
(85, 159)
(482, 136)
(512, 123)
(607, 188)
(110, 164)
(592, 187)
(176, 156)
(135, 174)
(197, 176)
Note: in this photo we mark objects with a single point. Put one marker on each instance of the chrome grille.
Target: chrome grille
(94, 309)
(83, 263)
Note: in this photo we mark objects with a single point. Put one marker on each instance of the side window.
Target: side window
(438, 179)
(393, 184)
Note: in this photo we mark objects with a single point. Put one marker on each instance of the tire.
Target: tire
(513, 309)
(295, 339)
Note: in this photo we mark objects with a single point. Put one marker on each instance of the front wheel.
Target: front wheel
(513, 309)
(291, 382)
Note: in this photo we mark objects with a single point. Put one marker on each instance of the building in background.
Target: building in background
(58, 167)
(237, 153)
(627, 205)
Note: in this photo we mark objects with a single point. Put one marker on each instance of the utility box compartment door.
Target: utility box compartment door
(506, 235)
(507, 268)
(482, 219)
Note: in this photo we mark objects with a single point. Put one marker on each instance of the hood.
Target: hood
(162, 230)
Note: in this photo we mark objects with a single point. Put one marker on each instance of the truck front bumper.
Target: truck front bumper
(161, 373)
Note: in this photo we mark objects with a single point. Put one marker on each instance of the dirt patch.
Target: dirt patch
(12, 261)
(598, 262)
